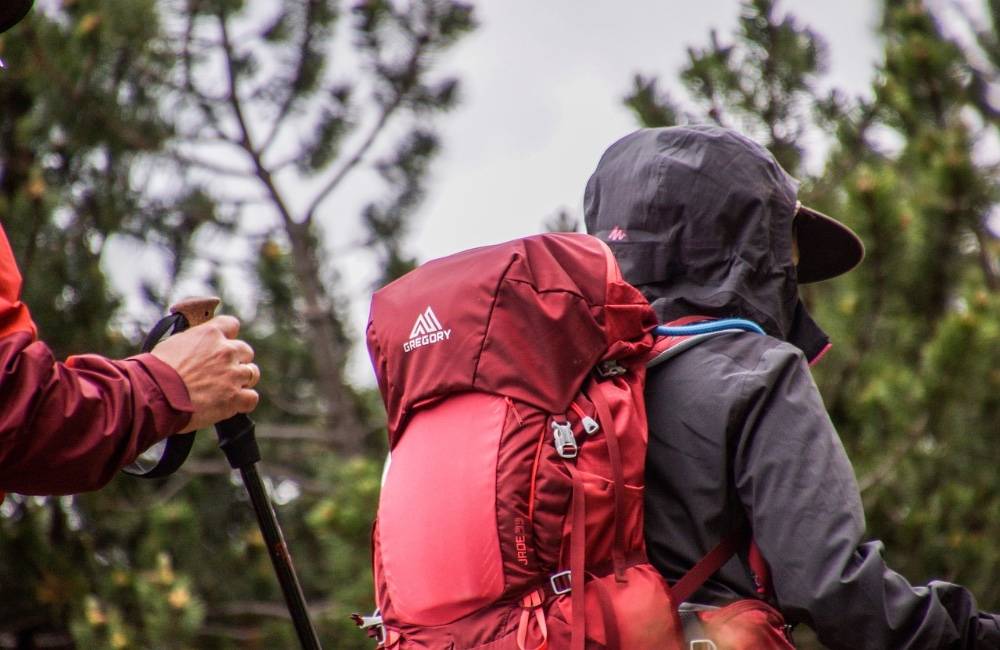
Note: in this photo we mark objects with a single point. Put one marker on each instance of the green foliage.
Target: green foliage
(912, 383)
(214, 135)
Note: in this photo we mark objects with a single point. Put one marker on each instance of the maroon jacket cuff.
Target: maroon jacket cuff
(170, 385)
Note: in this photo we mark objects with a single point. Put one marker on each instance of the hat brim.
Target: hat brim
(12, 11)
(827, 248)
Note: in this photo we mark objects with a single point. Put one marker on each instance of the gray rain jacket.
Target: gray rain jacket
(700, 220)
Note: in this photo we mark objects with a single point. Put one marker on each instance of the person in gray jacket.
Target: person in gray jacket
(704, 221)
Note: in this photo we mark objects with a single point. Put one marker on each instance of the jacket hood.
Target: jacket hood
(700, 219)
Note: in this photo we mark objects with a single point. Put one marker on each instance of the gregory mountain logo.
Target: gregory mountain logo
(426, 331)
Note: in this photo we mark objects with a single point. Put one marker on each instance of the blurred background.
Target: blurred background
(292, 156)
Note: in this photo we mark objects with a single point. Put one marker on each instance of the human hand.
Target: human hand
(216, 368)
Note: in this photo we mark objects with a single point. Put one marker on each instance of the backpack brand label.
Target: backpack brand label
(426, 331)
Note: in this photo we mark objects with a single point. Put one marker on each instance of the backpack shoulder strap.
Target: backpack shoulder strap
(674, 338)
(706, 566)
(730, 545)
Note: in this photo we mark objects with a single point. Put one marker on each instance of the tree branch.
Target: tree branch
(266, 608)
(201, 467)
(289, 100)
(387, 112)
(214, 167)
(246, 141)
(987, 262)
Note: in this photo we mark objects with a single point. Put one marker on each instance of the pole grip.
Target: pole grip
(166, 457)
(196, 310)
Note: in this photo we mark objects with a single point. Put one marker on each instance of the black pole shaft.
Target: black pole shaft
(280, 558)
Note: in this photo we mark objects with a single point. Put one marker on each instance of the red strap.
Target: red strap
(532, 604)
(761, 571)
(612, 637)
(706, 566)
(618, 476)
(664, 343)
(577, 561)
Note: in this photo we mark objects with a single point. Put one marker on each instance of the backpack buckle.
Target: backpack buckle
(564, 440)
(372, 625)
(562, 582)
(610, 368)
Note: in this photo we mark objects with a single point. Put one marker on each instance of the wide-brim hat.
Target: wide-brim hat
(12, 11)
(827, 248)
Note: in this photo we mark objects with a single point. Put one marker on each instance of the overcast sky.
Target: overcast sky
(543, 83)
(542, 88)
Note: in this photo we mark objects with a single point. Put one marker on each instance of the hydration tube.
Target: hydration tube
(709, 327)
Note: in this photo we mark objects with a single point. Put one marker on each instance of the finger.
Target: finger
(246, 400)
(242, 351)
(228, 325)
(254, 375)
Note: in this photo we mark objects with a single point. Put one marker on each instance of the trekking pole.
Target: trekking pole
(238, 443)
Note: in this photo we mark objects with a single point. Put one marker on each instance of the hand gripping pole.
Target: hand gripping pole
(239, 444)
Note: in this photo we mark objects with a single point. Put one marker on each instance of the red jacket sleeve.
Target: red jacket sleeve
(68, 427)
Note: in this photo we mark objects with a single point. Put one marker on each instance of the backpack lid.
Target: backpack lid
(528, 319)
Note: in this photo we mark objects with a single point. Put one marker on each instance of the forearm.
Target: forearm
(798, 486)
(68, 427)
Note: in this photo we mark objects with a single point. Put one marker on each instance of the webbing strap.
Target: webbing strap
(532, 603)
(577, 561)
(706, 566)
(761, 572)
(612, 638)
(618, 477)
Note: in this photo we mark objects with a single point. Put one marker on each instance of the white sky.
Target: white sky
(543, 83)
(542, 88)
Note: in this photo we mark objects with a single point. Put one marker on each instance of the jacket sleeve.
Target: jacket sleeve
(68, 427)
(798, 488)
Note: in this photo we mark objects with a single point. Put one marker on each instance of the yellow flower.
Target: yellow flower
(179, 597)
(165, 569)
(95, 615)
(88, 23)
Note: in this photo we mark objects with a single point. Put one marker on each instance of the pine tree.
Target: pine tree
(217, 133)
(912, 383)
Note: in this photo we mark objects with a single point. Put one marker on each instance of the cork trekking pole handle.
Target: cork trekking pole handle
(196, 310)
(167, 456)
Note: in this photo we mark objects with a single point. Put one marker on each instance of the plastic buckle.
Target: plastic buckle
(372, 625)
(610, 368)
(566, 576)
(590, 425)
(564, 440)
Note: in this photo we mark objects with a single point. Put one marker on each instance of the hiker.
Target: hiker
(69, 427)
(706, 223)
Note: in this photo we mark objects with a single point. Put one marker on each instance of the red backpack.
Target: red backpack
(511, 515)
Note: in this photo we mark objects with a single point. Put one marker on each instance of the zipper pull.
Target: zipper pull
(590, 425)
(564, 440)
